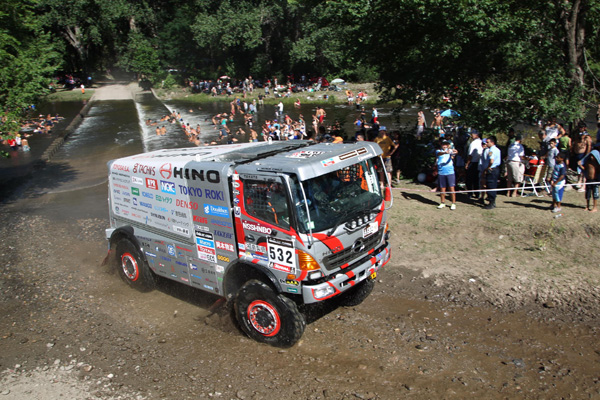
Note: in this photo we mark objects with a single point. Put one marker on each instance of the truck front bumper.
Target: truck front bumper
(347, 278)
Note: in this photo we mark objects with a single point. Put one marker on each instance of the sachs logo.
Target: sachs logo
(165, 171)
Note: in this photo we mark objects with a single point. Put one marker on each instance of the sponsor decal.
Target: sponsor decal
(292, 290)
(328, 162)
(201, 228)
(167, 259)
(370, 229)
(126, 194)
(136, 215)
(280, 267)
(173, 275)
(128, 201)
(242, 246)
(235, 177)
(236, 201)
(196, 276)
(158, 216)
(120, 167)
(150, 254)
(257, 256)
(167, 187)
(214, 194)
(292, 282)
(194, 266)
(183, 231)
(236, 184)
(220, 269)
(200, 220)
(135, 191)
(256, 248)
(190, 205)
(165, 171)
(161, 209)
(190, 191)
(171, 250)
(222, 224)
(136, 180)
(305, 154)
(217, 211)
(117, 191)
(251, 226)
(135, 201)
(179, 214)
(184, 279)
(118, 185)
(144, 169)
(182, 248)
(164, 199)
(237, 211)
(208, 287)
(144, 204)
(236, 192)
(181, 263)
(225, 246)
(148, 195)
(205, 246)
(225, 235)
(211, 176)
(151, 183)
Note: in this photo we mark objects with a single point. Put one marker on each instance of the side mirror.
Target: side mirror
(388, 194)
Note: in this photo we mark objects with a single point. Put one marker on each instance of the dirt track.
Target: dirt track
(424, 333)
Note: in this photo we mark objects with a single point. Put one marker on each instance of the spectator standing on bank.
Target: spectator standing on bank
(446, 176)
(581, 147)
(515, 165)
(472, 165)
(558, 181)
(591, 164)
(420, 124)
(491, 164)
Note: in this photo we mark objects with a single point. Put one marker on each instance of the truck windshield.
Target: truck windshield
(334, 198)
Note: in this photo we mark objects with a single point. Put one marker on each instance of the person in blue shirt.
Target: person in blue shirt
(491, 165)
(446, 177)
(558, 182)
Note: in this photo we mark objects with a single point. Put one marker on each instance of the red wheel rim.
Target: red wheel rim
(264, 318)
(130, 267)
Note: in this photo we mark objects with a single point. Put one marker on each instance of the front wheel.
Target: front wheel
(132, 267)
(268, 317)
(358, 294)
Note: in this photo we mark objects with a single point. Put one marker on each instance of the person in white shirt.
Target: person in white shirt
(474, 154)
(515, 165)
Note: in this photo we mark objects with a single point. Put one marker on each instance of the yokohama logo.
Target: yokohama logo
(256, 228)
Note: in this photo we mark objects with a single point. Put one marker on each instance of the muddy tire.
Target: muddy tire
(357, 295)
(268, 317)
(132, 267)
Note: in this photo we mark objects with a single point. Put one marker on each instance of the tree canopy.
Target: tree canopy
(496, 60)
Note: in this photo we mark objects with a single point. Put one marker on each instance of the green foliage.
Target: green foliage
(169, 82)
(140, 57)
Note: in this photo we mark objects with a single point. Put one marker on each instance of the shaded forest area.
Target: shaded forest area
(498, 61)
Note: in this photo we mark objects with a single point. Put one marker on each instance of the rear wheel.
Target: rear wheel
(132, 267)
(268, 317)
(358, 294)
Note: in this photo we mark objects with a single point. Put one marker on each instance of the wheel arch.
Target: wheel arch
(239, 273)
(125, 232)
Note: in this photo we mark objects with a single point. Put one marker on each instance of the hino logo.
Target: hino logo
(190, 173)
(165, 171)
(358, 246)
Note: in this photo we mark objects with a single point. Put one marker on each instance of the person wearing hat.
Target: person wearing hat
(515, 165)
(472, 165)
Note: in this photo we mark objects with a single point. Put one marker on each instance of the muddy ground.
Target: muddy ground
(474, 304)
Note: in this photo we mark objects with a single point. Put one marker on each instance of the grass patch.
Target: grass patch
(70, 95)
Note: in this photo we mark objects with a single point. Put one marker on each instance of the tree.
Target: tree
(498, 61)
(28, 60)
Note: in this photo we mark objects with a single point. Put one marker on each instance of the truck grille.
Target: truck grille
(346, 256)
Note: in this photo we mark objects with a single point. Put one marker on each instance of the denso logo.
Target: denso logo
(148, 195)
(119, 167)
(151, 183)
(144, 169)
(185, 204)
(167, 187)
(165, 171)
(256, 228)
(189, 173)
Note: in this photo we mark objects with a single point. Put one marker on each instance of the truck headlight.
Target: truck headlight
(323, 292)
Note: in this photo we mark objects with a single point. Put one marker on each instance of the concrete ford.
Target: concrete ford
(268, 226)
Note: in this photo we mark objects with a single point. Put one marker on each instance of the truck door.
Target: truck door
(263, 215)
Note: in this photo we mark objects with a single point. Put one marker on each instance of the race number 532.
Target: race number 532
(282, 252)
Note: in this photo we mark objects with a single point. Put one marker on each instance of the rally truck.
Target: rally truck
(272, 227)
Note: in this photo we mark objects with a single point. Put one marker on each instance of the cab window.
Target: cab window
(267, 201)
